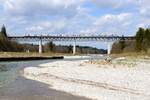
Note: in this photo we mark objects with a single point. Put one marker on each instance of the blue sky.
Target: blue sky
(80, 17)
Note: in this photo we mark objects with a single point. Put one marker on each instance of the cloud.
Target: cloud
(36, 15)
(144, 7)
(144, 15)
(72, 16)
(111, 24)
(113, 3)
(47, 26)
(2, 1)
(40, 7)
(113, 19)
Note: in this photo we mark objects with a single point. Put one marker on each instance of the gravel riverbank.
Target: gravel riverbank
(119, 80)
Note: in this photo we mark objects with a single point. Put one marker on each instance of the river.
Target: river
(13, 86)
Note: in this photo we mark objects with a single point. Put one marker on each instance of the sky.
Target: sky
(78, 17)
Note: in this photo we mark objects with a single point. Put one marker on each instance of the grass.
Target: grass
(129, 59)
(132, 59)
(131, 55)
(129, 63)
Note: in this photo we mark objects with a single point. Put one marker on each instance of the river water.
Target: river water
(9, 71)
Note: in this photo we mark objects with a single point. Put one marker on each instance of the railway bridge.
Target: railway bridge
(74, 39)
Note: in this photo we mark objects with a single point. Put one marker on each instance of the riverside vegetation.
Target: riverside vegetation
(141, 44)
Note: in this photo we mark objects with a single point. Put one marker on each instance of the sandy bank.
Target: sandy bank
(95, 81)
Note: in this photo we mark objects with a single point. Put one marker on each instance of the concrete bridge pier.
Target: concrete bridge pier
(109, 47)
(74, 48)
(40, 46)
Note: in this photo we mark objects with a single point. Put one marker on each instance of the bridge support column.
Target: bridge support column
(109, 47)
(74, 48)
(40, 46)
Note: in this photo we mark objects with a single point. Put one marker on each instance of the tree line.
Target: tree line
(140, 44)
(143, 40)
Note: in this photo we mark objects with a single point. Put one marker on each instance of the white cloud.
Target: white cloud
(144, 7)
(144, 22)
(2, 1)
(73, 16)
(113, 19)
(113, 3)
(35, 28)
(40, 7)
(112, 24)
(144, 15)
(47, 26)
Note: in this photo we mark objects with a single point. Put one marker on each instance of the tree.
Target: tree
(3, 31)
(146, 40)
(139, 39)
(122, 43)
(70, 49)
(50, 47)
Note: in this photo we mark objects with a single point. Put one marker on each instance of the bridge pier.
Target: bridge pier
(40, 46)
(109, 47)
(74, 48)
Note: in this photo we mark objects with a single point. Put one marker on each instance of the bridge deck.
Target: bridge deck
(71, 38)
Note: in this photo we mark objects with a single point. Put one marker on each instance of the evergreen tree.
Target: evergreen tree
(139, 39)
(3, 31)
(146, 40)
(70, 49)
(122, 43)
(51, 47)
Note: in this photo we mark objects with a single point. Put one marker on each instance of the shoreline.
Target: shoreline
(2, 59)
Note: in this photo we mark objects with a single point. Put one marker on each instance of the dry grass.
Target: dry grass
(124, 60)
(131, 55)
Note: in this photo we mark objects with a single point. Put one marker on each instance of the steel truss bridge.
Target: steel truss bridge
(72, 39)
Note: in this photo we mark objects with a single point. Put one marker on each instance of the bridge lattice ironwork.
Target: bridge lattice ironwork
(70, 38)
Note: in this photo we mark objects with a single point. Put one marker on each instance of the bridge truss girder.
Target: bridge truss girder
(70, 39)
